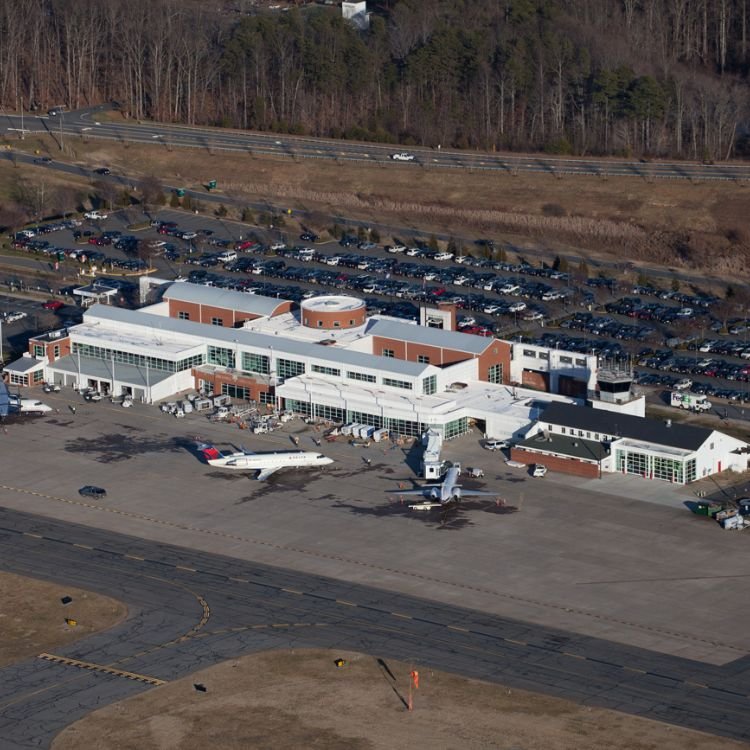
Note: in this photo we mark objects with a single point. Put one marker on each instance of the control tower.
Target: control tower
(614, 389)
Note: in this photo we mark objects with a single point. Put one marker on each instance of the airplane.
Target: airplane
(13, 404)
(447, 492)
(264, 463)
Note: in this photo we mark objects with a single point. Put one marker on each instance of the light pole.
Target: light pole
(22, 134)
(62, 145)
(2, 358)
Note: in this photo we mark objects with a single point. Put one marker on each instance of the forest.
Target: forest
(636, 78)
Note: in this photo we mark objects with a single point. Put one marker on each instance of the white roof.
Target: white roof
(463, 342)
(254, 304)
(159, 327)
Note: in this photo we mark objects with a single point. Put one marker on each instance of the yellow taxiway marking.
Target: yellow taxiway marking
(183, 567)
(398, 614)
(36, 536)
(574, 656)
(459, 629)
(292, 591)
(101, 668)
(634, 669)
(239, 580)
(82, 546)
(343, 601)
(518, 643)
(133, 557)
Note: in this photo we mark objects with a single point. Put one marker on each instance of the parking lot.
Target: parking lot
(578, 554)
(664, 332)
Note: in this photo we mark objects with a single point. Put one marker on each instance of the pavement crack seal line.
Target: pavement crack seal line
(359, 563)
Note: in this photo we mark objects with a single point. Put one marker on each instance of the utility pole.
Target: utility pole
(22, 133)
(62, 145)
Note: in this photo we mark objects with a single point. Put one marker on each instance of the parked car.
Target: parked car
(53, 304)
(95, 215)
(539, 470)
(403, 156)
(496, 445)
(91, 491)
(102, 170)
(51, 388)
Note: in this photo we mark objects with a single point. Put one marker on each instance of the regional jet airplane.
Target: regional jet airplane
(264, 463)
(448, 491)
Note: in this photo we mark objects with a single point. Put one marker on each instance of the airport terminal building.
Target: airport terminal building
(329, 360)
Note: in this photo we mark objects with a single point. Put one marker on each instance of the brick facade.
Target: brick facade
(54, 349)
(216, 379)
(229, 318)
(564, 465)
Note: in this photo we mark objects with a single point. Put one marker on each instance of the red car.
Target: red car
(53, 304)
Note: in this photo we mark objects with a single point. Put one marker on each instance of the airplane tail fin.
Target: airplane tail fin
(209, 452)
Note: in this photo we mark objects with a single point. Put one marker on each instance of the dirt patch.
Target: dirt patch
(33, 616)
(299, 699)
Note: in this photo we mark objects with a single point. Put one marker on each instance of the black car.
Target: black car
(309, 237)
(90, 491)
(103, 170)
(42, 160)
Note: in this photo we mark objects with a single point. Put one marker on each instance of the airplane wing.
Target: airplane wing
(477, 493)
(408, 492)
(265, 473)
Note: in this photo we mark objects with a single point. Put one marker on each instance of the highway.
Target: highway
(84, 123)
(190, 609)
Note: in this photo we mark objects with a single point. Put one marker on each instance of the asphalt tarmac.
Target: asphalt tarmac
(191, 609)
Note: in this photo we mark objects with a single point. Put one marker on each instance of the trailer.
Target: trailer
(202, 404)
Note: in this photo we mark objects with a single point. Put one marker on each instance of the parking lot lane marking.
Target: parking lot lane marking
(459, 629)
(346, 603)
(292, 591)
(184, 567)
(404, 617)
(101, 668)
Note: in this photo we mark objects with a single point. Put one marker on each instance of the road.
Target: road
(84, 122)
(192, 609)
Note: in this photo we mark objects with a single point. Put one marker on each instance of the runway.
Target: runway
(189, 610)
(84, 123)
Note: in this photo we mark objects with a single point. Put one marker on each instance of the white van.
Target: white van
(227, 256)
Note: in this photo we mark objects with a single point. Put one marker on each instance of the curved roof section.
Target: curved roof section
(332, 303)
(253, 304)
(461, 342)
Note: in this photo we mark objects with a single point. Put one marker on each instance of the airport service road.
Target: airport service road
(191, 609)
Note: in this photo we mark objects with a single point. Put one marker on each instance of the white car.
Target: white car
(396, 248)
(94, 215)
(278, 246)
(496, 445)
(539, 470)
(684, 384)
(444, 256)
(517, 307)
(403, 156)
(12, 317)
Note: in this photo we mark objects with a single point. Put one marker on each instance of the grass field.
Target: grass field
(299, 699)
(33, 616)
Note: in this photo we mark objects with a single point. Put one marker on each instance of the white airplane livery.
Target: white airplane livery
(447, 492)
(264, 463)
